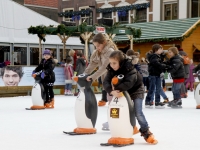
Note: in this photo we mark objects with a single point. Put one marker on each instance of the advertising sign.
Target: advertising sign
(22, 76)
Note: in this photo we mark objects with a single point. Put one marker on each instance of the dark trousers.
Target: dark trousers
(146, 82)
(154, 83)
(49, 93)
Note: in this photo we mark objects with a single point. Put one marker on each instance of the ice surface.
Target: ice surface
(20, 129)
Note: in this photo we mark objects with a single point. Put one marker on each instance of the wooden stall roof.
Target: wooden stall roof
(162, 29)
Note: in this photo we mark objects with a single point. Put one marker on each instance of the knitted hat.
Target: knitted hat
(46, 52)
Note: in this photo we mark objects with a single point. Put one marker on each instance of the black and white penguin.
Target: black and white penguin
(85, 108)
(121, 118)
(37, 94)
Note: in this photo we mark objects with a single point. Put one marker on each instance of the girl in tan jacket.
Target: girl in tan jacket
(100, 59)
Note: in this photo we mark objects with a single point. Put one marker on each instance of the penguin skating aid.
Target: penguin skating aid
(85, 108)
(197, 93)
(121, 118)
(37, 94)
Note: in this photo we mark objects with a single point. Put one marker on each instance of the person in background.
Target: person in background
(145, 74)
(186, 63)
(80, 67)
(155, 67)
(47, 66)
(72, 54)
(190, 81)
(177, 71)
(69, 73)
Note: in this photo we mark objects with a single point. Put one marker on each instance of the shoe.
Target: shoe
(176, 103)
(66, 92)
(184, 95)
(148, 136)
(149, 104)
(159, 105)
(166, 101)
(76, 94)
(105, 126)
(135, 130)
(101, 103)
(70, 93)
(49, 105)
(191, 89)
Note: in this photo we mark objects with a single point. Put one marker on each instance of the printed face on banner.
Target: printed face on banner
(11, 78)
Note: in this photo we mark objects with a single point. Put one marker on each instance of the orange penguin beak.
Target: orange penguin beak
(75, 79)
(115, 80)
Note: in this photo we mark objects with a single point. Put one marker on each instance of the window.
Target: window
(4, 53)
(123, 16)
(141, 15)
(20, 56)
(170, 11)
(68, 18)
(195, 9)
(34, 56)
(107, 15)
(88, 18)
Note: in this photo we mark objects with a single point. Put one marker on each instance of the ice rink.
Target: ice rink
(20, 129)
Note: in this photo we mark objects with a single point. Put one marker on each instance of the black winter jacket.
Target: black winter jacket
(47, 66)
(80, 65)
(176, 67)
(132, 81)
(156, 65)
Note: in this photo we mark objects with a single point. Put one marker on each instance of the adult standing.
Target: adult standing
(100, 59)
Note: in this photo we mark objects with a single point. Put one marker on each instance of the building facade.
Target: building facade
(48, 8)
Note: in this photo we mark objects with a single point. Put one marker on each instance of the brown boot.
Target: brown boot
(135, 130)
(148, 136)
(101, 103)
(49, 104)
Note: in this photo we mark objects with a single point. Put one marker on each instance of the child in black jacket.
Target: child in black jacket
(47, 66)
(177, 71)
(132, 83)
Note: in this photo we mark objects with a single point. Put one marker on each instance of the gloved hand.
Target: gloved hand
(33, 74)
(7, 62)
(42, 75)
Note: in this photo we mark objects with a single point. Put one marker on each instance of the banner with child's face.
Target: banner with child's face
(22, 76)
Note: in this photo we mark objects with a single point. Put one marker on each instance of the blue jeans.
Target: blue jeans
(139, 114)
(176, 90)
(154, 83)
(162, 93)
(68, 86)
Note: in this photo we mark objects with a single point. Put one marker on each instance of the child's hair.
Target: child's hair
(174, 50)
(130, 52)
(79, 54)
(156, 47)
(118, 55)
(71, 52)
(68, 60)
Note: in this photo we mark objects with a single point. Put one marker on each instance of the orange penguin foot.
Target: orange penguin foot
(35, 107)
(120, 141)
(85, 130)
(198, 107)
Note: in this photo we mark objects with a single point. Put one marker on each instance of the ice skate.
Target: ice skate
(148, 136)
(105, 126)
(176, 104)
(49, 105)
(70, 93)
(166, 101)
(149, 105)
(159, 105)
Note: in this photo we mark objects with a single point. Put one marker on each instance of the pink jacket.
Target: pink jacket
(69, 72)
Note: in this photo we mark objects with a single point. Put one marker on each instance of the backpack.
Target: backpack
(186, 60)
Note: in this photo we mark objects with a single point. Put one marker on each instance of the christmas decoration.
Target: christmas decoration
(75, 13)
